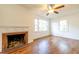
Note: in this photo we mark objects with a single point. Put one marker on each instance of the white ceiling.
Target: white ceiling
(38, 6)
(41, 8)
(34, 6)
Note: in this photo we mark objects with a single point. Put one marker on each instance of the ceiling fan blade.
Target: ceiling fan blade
(59, 7)
(47, 14)
(56, 12)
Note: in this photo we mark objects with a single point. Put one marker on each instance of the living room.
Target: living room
(23, 27)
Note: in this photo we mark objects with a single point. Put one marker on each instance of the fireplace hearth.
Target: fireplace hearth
(14, 40)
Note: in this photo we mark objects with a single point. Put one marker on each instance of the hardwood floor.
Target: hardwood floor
(49, 45)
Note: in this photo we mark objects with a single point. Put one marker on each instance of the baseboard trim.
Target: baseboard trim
(53, 36)
(42, 37)
(64, 37)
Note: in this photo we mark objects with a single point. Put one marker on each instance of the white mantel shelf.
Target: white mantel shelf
(13, 28)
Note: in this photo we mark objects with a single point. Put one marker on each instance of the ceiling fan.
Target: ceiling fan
(54, 8)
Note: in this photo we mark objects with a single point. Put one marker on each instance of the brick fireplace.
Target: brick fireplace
(14, 40)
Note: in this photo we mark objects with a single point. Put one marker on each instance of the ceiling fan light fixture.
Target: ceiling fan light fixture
(54, 8)
(50, 11)
(49, 7)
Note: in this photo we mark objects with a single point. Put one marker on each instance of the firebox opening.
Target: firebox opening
(15, 40)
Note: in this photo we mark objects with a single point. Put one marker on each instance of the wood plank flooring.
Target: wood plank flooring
(49, 45)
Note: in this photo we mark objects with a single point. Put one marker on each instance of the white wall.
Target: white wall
(16, 15)
(73, 25)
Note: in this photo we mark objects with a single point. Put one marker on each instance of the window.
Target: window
(41, 25)
(63, 25)
(36, 25)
